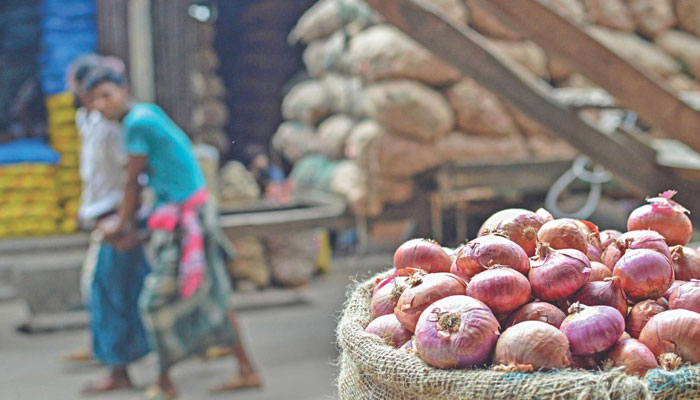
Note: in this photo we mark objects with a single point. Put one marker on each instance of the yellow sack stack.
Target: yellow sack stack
(65, 139)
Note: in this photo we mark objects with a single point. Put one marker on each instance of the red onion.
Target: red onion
(664, 216)
(625, 335)
(645, 274)
(592, 329)
(408, 347)
(644, 239)
(533, 344)
(592, 233)
(386, 295)
(544, 214)
(633, 356)
(502, 289)
(518, 224)
(456, 332)
(563, 233)
(599, 272)
(685, 297)
(606, 293)
(487, 251)
(674, 331)
(537, 311)
(452, 253)
(557, 274)
(686, 263)
(422, 254)
(390, 330)
(607, 237)
(422, 291)
(641, 313)
(593, 253)
(673, 287)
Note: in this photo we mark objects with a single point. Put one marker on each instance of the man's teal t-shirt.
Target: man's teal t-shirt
(173, 171)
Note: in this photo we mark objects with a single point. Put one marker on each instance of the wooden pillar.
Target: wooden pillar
(174, 45)
(112, 26)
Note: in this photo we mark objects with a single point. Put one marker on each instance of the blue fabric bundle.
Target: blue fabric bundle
(27, 151)
(69, 30)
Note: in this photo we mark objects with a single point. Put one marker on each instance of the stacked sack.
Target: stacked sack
(385, 109)
(28, 189)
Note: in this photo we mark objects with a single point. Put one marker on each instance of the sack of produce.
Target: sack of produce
(332, 135)
(344, 94)
(294, 140)
(293, 258)
(486, 321)
(399, 158)
(478, 110)
(384, 52)
(324, 55)
(481, 19)
(688, 12)
(250, 263)
(683, 46)
(525, 53)
(361, 138)
(328, 16)
(308, 101)
(458, 146)
(210, 113)
(350, 182)
(572, 9)
(653, 16)
(409, 109)
(610, 14)
(237, 184)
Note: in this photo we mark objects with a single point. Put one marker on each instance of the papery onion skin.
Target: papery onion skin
(518, 224)
(674, 331)
(686, 263)
(557, 274)
(633, 356)
(607, 237)
(423, 254)
(592, 329)
(676, 283)
(606, 293)
(665, 216)
(641, 313)
(424, 290)
(537, 311)
(390, 330)
(486, 251)
(632, 240)
(563, 233)
(544, 214)
(593, 253)
(501, 289)
(387, 295)
(456, 332)
(599, 272)
(644, 273)
(686, 297)
(534, 343)
(592, 233)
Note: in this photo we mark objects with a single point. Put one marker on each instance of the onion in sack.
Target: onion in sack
(386, 295)
(633, 356)
(486, 251)
(557, 274)
(592, 329)
(676, 283)
(422, 291)
(686, 263)
(606, 293)
(665, 216)
(641, 313)
(456, 332)
(537, 311)
(502, 289)
(518, 224)
(544, 214)
(532, 345)
(390, 330)
(644, 239)
(607, 237)
(685, 297)
(645, 274)
(674, 331)
(599, 272)
(563, 233)
(423, 254)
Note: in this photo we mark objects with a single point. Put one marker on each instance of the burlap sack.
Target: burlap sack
(652, 16)
(210, 113)
(294, 139)
(399, 158)
(308, 101)
(410, 109)
(484, 22)
(478, 110)
(455, 9)
(332, 135)
(384, 52)
(462, 147)
(344, 94)
(361, 137)
(682, 83)
(525, 53)
(324, 55)
(688, 12)
(328, 16)
(611, 14)
(683, 46)
(573, 9)
(369, 369)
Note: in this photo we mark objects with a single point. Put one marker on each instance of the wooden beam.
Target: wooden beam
(113, 28)
(470, 53)
(633, 88)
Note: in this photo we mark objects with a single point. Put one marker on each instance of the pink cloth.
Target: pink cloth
(192, 255)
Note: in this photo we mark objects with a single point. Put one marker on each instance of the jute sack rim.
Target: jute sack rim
(407, 373)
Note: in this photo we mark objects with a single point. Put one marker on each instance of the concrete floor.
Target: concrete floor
(292, 345)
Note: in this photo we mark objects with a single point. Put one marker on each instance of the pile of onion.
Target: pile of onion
(634, 240)
(606, 293)
(607, 237)
(593, 329)
(537, 311)
(686, 296)
(386, 295)
(633, 356)
(665, 216)
(519, 225)
(424, 254)
(390, 330)
(422, 291)
(502, 289)
(487, 251)
(532, 345)
(644, 273)
(557, 274)
(456, 332)
(599, 272)
(563, 233)
(641, 313)
(686, 263)
(674, 331)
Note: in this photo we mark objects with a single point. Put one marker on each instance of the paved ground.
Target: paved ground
(293, 346)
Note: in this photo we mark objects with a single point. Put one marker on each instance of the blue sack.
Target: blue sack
(27, 150)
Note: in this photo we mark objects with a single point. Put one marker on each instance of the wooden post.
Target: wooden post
(141, 50)
(112, 26)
